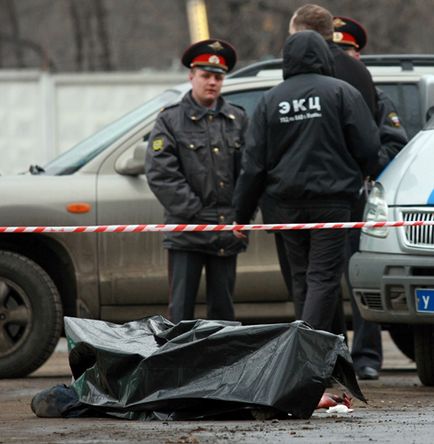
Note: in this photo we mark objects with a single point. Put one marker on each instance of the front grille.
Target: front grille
(419, 236)
(370, 299)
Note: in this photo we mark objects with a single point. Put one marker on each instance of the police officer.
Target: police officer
(366, 349)
(352, 37)
(309, 144)
(192, 164)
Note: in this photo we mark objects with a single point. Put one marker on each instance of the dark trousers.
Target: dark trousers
(339, 324)
(316, 260)
(185, 268)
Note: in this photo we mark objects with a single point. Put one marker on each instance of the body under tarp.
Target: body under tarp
(153, 369)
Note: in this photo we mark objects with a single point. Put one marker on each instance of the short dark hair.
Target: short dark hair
(314, 17)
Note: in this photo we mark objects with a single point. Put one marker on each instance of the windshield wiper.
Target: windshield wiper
(36, 169)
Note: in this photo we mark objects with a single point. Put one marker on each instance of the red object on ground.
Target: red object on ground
(330, 400)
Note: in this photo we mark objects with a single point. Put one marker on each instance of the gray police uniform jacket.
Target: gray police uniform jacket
(192, 164)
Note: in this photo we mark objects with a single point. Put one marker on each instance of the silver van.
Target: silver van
(393, 274)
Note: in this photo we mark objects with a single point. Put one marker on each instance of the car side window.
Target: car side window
(406, 98)
(247, 99)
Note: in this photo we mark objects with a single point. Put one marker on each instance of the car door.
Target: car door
(132, 266)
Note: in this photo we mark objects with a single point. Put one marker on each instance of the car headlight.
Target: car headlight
(376, 210)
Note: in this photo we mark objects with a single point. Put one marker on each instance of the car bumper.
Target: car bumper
(384, 286)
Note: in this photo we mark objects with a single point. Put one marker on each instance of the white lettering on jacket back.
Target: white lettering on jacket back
(300, 109)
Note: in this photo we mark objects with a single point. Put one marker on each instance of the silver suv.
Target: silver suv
(122, 276)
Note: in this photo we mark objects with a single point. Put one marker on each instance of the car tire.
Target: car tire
(30, 315)
(403, 337)
(424, 353)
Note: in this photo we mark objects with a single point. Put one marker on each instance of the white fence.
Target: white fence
(43, 114)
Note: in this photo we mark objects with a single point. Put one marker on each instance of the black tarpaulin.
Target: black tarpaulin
(152, 369)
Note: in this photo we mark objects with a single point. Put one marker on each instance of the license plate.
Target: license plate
(425, 300)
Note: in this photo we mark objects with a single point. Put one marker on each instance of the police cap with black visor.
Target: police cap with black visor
(349, 32)
(211, 55)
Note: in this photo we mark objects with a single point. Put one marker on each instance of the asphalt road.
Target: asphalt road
(400, 410)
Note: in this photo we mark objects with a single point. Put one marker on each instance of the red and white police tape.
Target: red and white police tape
(185, 227)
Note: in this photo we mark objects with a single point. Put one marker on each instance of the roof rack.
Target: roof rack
(406, 61)
(255, 68)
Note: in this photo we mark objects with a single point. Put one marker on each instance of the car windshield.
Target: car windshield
(75, 158)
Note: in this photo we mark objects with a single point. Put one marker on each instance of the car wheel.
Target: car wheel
(403, 337)
(424, 352)
(30, 315)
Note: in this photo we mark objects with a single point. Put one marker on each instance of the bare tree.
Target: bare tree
(78, 33)
(90, 35)
(10, 7)
(105, 58)
(11, 30)
(133, 34)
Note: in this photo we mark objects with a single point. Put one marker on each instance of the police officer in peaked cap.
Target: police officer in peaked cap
(352, 37)
(192, 164)
(210, 55)
(349, 34)
(366, 349)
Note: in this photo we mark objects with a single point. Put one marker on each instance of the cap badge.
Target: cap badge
(338, 36)
(214, 59)
(217, 46)
(338, 22)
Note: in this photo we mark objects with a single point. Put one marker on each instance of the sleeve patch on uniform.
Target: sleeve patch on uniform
(157, 143)
(394, 119)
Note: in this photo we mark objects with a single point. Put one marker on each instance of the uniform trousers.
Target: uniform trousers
(185, 269)
(316, 259)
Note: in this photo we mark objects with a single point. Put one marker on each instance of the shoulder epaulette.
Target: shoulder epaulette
(173, 105)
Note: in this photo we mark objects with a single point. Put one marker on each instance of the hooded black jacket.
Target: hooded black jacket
(311, 138)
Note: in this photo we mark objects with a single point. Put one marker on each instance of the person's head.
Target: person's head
(307, 52)
(209, 61)
(312, 17)
(205, 86)
(350, 35)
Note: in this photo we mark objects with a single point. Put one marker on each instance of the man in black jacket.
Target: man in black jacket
(310, 142)
(192, 164)
(316, 18)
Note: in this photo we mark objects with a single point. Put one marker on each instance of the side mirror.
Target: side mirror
(429, 113)
(133, 166)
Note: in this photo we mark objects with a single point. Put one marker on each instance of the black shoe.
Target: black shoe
(367, 373)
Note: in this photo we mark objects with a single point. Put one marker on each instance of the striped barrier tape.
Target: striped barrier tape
(185, 227)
